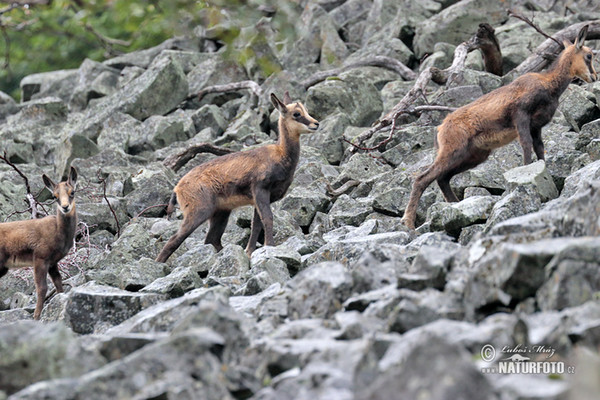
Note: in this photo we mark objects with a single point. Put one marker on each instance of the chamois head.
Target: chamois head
(294, 115)
(582, 58)
(64, 192)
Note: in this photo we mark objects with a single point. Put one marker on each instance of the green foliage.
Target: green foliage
(62, 33)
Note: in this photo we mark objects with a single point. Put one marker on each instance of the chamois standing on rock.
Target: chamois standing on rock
(42, 242)
(520, 109)
(255, 177)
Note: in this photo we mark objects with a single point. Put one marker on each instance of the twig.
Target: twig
(177, 161)
(150, 207)
(529, 22)
(378, 61)
(415, 110)
(30, 197)
(342, 189)
(231, 87)
(103, 182)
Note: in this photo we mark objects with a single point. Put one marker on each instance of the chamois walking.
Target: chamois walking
(42, 242)
(520, 109)
(255, 177)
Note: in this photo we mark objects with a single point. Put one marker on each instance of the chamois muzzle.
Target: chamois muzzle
(314, 126)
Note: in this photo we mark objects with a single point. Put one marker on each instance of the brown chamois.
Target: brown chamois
(520, 109)
(490, 49)
(42, 242)
(255, 177)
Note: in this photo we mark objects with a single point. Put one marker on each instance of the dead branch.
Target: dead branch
(379, 61)
(231, 87)
(112, 210)
(539, 59)
(177, 161)
(30, 197)
(149, 208)
(529, 22)
(342, 189)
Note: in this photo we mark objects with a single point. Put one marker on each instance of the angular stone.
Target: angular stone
(536, 175)
(94, 308)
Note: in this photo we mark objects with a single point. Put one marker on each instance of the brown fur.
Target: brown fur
(466, 137)
(490, 49)
(255, 177)
(42, 242)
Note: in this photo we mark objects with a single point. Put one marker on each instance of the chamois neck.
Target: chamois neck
(559, 74)
(288, 141)
(67, 223)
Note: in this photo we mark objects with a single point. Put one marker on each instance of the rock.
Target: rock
(157, 132)
(94, 308)
(163, 368)
(152, 186)
(452, 217)
(449, 25)
(519, 201)
(319, 290)
(570, 277)
(536, 175)
(351, 94)
(520, 276)
(349, 211)
(578, 106)
(135, 276)
(46, 83)
(33, 352)
(232, 261)
(8, 106)
(405, 368)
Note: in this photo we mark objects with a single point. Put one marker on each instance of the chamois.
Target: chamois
(42, 242)
(520, 109)
(255, 177)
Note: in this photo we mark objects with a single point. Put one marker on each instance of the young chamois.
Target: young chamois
(520, 109)
(255, 177)
(42, 242)
(490, 49)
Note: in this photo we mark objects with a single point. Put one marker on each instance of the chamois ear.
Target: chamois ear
(72, 177)
(48, 182)
(278, 104)
(581, 37)
(286, 98)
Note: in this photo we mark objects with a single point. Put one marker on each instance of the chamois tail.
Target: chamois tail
(172, 204)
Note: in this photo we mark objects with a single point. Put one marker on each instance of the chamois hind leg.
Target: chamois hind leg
(419, 186)
(3, 268)
(218, 223)
(473, 158)
(262, 201)
(255, 230)
(190, 222)
(40, 269)
(56, 278)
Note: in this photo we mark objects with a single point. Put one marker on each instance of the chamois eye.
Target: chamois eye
(588, 57)
(296, 114)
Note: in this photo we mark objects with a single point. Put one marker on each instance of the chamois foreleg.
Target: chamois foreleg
(262, 201)
(255, 230)
(191, 221)
(525, 139)
(3, 268)
(56, 278)
(40, 270)
(538, 144)
(218, 223)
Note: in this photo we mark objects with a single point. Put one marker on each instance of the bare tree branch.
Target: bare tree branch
(33, 203)
(379, 61)
(177, 161)
(231, 87)
(529, 22)
(112, 210)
